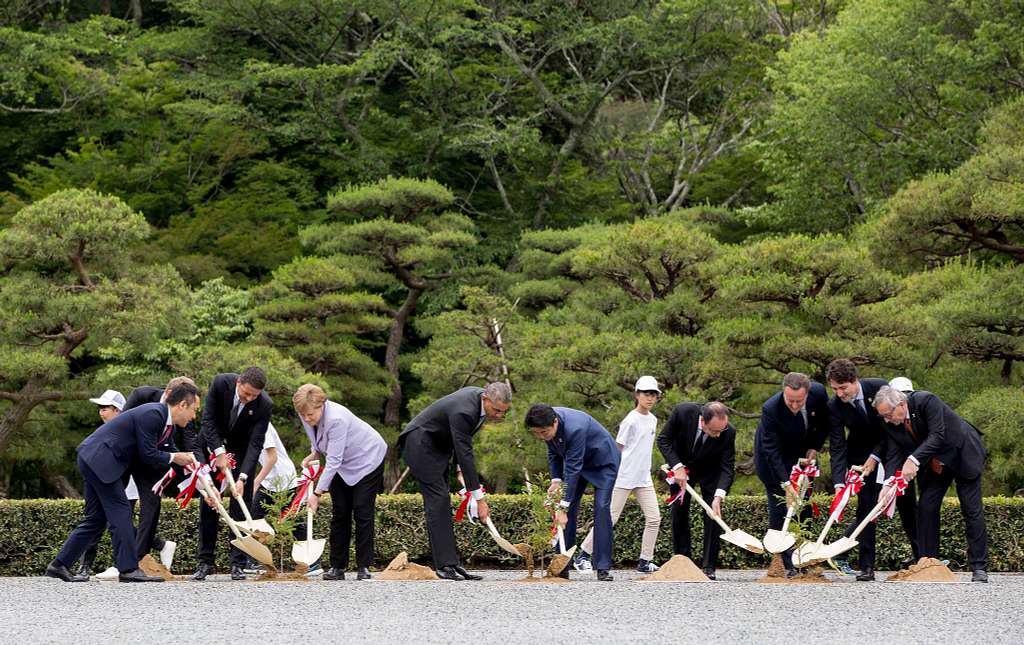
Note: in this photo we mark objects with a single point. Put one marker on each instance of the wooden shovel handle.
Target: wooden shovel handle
(220, 509)
(239, 498)
(875, 512)
(700, 500)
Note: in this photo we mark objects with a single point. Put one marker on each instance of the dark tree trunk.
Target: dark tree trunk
(59, 483)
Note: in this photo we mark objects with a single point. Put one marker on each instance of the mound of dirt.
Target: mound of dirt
(926, 570)
(151, 567)
(527, 553)
(401, 569)
(776, 574)
(678, 569)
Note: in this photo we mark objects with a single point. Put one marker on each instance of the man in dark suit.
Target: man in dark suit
(793, 426)
(442, 431)
(103, 457)
(924, 435)
(146, 477)
(699, 438)
(580, 450)
(235, 418)
(856, 438)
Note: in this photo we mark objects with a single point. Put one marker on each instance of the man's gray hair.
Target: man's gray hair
(797, 381)
(498, 392)
(890, 396)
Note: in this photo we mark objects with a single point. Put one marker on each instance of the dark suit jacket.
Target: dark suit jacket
(781, 438)
(866, 432)
(582, 445)
(448, 425)
(714, 464)
(245, 438)
(940, 432)
(129, 437)
(183, 437)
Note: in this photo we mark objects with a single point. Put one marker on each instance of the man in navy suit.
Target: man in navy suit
(794, 424)
(103, 457)
(580, 450)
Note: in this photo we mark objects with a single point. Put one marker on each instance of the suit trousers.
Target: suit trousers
(602, 554)
(105, 504)
(209, 528)
(648, 500)
(681, 528)
(149, 512)
(359, 502)
(933, 489)
(89, 559)
(906, 505)
(430, 469)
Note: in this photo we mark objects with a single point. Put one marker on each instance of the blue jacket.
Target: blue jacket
(782, 439)
(582, 444)
(128, 438)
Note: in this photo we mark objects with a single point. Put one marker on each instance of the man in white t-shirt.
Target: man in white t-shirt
(636, 441)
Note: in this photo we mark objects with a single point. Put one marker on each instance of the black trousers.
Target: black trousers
(906, 506)
(210, 522)
(358, 502)
(149, 512)
(681, 527)
(933, 489)
(431, 471)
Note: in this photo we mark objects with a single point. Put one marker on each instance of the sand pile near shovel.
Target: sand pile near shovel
(401, 569)
(776, 574)
(527, 553)
(151, 567)
(926, 570)
(557, 565)
(679, 569)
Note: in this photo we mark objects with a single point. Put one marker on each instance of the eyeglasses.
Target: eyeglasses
(890, 415)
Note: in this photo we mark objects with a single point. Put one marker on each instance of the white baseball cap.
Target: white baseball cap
(647, 384)
(110, 397)
(901, 383)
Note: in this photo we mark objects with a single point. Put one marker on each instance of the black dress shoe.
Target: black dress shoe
(202, 571)
(906, 563)
(710, 573)
(465, 574)
(565, 573)
(604, 576)
(237, 573)
(979, 575)
(138, 575)
(867, 574)
(334, 573)
(448, 573)
(363, 574)
(85, 570)
(57, 570)
(792, 573)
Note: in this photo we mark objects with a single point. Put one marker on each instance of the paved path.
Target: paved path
(500, 610)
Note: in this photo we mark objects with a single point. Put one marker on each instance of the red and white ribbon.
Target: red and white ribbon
(309, 477)
(854, 482)
(900, 484)
(187, 488)
(670, 479)
(158, 488)
(467, 509)
(810, 471)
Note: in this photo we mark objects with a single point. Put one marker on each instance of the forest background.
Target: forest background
(368, 194)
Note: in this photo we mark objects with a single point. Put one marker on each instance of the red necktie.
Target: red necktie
(167, 433)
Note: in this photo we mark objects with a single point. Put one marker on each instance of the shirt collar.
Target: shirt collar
(170, 419)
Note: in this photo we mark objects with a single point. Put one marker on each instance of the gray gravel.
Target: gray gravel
(732, 610)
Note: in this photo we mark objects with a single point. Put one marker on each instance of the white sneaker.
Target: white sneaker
(646, 566)
(316, 569)
(167, 553)
(109, 574)
(582, 563)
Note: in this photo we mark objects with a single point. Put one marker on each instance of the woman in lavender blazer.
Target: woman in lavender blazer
(353, 457)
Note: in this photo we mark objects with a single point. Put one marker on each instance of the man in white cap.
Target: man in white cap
(902, 383)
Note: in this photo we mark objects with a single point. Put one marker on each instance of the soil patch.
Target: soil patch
(776, 574)
(926, 570)
(547, 579)
(678, 569)
(273, 576)
(557, 564)
(151, 567)
(527, 553)
(401, 569)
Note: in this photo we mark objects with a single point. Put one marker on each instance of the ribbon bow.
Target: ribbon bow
(468, 504)
(810, 471)
(187, 488)
(680, 493)
(158, 488)
(219, 475)
(900, 486)
(309, 475)
(854, 482)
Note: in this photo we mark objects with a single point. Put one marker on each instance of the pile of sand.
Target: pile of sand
(776, 574)
(527, 553)
(401, 569)
(151, 567)
(926, 570)
(679, 569)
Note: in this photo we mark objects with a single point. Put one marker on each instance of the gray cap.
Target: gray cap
(110, 397)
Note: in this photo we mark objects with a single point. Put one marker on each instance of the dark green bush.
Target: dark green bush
(33, 530)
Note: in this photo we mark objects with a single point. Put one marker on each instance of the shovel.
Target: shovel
(309, 550)
(779, 540)
(250, 525)
(500, 541)
(247, 544)
(844, 544)
(810, 553)
(738, 537)
(559, 562)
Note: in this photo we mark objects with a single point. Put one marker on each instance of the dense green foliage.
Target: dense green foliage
(396, 199)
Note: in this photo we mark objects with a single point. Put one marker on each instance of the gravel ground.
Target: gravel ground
(732, 610)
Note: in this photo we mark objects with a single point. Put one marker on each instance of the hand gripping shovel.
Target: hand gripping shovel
(309, 550)
(779, 540)
(810, 553)
(738, 537)
(247, 544)
(250, 525)
(500, 541)
(844, 544)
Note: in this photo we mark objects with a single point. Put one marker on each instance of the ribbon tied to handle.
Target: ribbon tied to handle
(187, 488)
(854, 482)
(158, 488)
(309, 477)
(467, 509)
(900, 486)
(676, 492)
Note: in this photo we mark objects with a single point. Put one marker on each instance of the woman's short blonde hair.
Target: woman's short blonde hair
(308, 397)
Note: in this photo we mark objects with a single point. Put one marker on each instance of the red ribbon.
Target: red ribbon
(900, 485)
(158, 488)
(308, 477)
(810, 471)
(854, 482)
(467, 505)
(188, 487)
(670, 478)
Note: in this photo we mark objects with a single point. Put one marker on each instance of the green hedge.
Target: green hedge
(32, 531)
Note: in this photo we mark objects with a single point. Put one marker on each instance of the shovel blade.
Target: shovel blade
(308, 551)
(840, 546)
(256, 526)
(807, 554)
(776, 541)
(569, 553)
(743, 540)
(254, 549)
